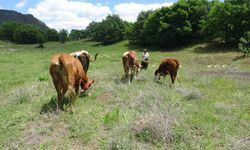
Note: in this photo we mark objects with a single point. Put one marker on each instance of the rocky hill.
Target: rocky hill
(10, 15)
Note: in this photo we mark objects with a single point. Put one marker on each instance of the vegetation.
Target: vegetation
(21, 33)
(52, 35)
(228, 21)
(110, 30)
(171, 26)
(63, 36)
(244, 44)
(77, 34)
(185, 22)
(208, 110)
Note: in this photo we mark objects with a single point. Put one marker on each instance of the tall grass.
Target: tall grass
(208, 110)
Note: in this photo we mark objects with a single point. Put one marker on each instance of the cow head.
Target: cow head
(137, 67)
(157, 74)
(86, 85)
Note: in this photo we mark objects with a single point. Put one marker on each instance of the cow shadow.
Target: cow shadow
(51, 106)
(121, 80)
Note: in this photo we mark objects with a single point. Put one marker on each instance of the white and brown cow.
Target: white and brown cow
(84, 58)
(68, 74)
(168, 66)
(131, 65)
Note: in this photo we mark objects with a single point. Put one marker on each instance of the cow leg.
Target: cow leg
(71, 95)
(178, 78)
(173, 77)
(58, 88)
(165, 82)
(64, 90)
(129, 77)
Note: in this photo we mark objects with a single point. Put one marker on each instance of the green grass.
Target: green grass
(208, 110)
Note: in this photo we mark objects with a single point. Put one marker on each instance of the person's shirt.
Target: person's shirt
(145, 56)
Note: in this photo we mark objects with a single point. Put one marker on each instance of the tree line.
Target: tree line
(185, 22)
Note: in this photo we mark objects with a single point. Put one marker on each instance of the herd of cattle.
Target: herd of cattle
(69, 72)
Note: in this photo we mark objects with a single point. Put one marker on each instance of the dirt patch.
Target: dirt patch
(105, 96)
(207, 60)
(42, 131)
(240, 75)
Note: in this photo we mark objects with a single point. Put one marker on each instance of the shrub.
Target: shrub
(244, 44)
(63, 35)
(155, 127)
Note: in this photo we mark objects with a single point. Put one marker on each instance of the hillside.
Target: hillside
(10, 15)
(209, 109)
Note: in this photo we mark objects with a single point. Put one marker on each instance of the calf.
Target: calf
(84, 58)
(68, 74)
(168, 66)
(131, 65)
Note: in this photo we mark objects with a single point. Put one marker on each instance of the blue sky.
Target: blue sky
(77, 14)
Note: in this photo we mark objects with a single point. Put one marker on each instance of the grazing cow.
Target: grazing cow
(68, 74)
(84, 58)
(131, 65)
(168, 66)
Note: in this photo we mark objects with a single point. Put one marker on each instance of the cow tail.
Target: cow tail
(178, 64)
(63, 73)
(95, 57)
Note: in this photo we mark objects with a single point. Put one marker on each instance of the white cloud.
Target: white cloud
(72, 14)
(66, 14)
(21, 4)
(130, 11)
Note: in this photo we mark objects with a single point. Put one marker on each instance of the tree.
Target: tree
(52, 35)
(244, 44)
(40, 40)
(26, 34)
(171, 26)
(228, 21)
(63, 36)
(77, 34)
(110, 30)
(7, 30)
(135, 34)
(91, 29)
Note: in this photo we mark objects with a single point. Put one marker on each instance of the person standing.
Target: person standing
(145, 57)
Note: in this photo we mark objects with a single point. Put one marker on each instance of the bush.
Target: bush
(22, 33)
(52, 35)
(109, 31)
(244, 44)
(7, 30)
(28, 34)
(63, 36)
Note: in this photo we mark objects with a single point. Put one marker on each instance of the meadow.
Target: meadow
(209, 109)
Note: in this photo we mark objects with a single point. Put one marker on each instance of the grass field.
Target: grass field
(209, 109)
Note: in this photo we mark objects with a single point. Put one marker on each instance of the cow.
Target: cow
(168, 66)
(84, 58)
(68, 74)
(131, 65)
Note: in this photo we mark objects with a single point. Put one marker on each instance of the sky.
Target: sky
(77, 14)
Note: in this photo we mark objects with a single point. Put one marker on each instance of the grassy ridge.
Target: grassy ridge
(208, 110)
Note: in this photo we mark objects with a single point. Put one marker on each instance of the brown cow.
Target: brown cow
(168, 66)
(131, 65)
(68, 74)
(84, 58)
